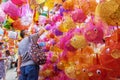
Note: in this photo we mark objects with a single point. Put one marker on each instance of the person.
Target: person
(2, 65)
(8, 60)
(26, 68)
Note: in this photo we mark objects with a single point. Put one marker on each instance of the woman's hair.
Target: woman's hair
(7, 52)
(22, 33)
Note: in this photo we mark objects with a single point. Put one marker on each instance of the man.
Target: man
(27, 69)
(2, 65)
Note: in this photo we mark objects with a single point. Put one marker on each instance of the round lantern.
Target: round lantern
(7, 24)
(18, 26)
(69, 47)
(68, 5)
(49, 4)
(109, 12)
(57, 32)
(2, 15)
(70, 72)
(78, 16)
(19, 2)
(11, 9)
(67, 24)
(88, 6)
(78, 41)
(94, 34)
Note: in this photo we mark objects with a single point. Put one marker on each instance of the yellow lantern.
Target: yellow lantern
(109, 12)
(67, 24)
(78, 41)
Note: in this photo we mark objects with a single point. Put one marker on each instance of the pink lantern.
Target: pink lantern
(56, 18)
(25, 10)
(94, 33)
(78, 16)
(11, 9)
(19, 2)
(2, 15)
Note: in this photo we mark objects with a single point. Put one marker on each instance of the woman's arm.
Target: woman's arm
(19, 64)
(2, 58)
(42, 30)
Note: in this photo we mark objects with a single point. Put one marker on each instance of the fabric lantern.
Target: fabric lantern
(11, 9)
(69, 47)
(78, 41)
(18, 26)
(94, 32)
(49, 4)
(48, 27)
(109, 12)
(2, 15)
(12, 35)
(57, 32)
(70, 72)
(88, 6)
(19, 2)
(64, 39)
(78, 16)
(40, 1)
(25, 10)
(4, 0)
(42, 20)
(42, 44)
(94, 35)
(26, 20)
(7, 24)
(1, 31)
(68, 5)
(33, 4)
(67, 24)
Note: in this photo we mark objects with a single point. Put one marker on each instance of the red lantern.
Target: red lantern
(19, 2)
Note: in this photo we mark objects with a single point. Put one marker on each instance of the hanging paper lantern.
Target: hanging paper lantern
(33, 4)
(88, 6)
(57, 32)
(1, 31)
(18, 25)
(40, 1)
(43, 18)
(11, 9)
(62, 11)
(48, 27)
(56, 18)
(64, 39)
(78, 41)
(109, 12)
(7, 24)
(69, 47)
(19, 2)
(42, 44)
(12, 35)
(4, 0)
(67, 24)
(68, 5)
(26, 20)
(49, 4)
(2, 15)
(70, 72)
(98, 72)
(78, 16)
(94, 32)
(94, 35)
(25, 10)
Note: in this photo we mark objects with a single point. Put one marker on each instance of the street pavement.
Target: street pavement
(11, 74)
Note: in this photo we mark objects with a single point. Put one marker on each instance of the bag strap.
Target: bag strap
(31, 39)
